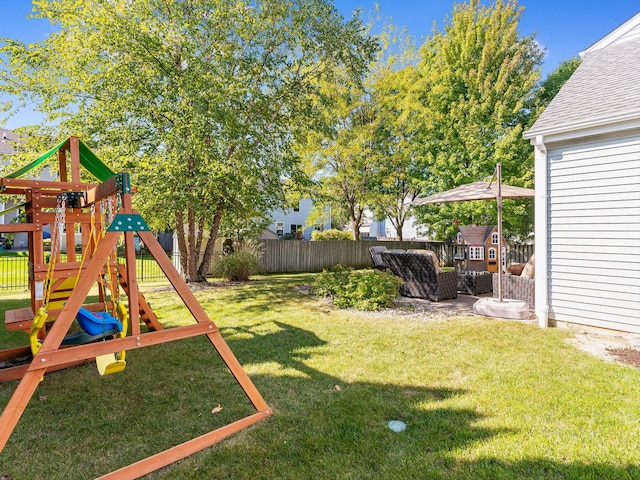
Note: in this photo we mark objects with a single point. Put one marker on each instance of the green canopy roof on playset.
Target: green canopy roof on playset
(88, 160)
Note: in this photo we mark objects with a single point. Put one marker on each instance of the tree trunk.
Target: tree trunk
(355, 223)
(203, 269)
(188, 246)
(182, 245)
(398, 224)
(355, 232)
(193, 252)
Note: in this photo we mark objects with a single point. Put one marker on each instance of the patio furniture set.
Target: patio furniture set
(423, 278)
(518, 286)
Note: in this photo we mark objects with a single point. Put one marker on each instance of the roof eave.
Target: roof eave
(595, 126)
(613, 36)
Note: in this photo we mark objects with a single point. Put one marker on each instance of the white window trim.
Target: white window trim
(476, 253)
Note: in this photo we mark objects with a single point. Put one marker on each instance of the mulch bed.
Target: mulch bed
(629, 356)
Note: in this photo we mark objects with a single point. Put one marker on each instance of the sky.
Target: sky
(564, 28)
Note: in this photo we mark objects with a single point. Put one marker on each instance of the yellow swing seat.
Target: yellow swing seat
(108, 364)
(39, 320)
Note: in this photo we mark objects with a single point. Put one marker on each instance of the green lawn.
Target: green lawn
(482, 399)
(14, 270)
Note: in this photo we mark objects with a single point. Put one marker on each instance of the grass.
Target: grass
(13, 254)
(482, 399)
(14, 269)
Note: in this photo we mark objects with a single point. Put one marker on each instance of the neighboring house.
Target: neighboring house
(476, 249)
(290, 223)
(7, 139)
(385, 230)
(587, 172)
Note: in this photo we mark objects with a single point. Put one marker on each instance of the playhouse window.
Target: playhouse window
(476, 253)
(492, 253)
(459, 237)
(459, 254)
(494, 238)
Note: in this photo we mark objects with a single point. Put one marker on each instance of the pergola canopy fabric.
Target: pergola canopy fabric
(88, 160)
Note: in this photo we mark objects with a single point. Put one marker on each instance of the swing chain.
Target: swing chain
(60, 215)
(55, 247)
(106, 208)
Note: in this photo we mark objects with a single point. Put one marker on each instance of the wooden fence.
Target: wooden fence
(519, 253)
(279, 256)
(300, 256)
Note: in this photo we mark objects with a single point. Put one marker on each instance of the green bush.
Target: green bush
(331, 234)
(332, 282)
(361, 289)
(239, 265)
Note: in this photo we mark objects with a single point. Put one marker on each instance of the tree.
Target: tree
(339, 156)
(551, 85)
(361, 158)
(474, 95)
(398, 176)
(200, 99)
(518, 214)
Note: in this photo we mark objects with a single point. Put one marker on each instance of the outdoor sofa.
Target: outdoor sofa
(421, 275)
(376, 256)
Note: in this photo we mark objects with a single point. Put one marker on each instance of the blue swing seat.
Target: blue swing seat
(97, 323)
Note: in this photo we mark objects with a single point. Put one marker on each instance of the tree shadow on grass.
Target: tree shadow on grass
(321, 419)
(257, 296)
(325, 427)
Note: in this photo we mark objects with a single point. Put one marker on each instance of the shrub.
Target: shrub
(361, 289)
(332, 282)
(331, 234)
(239, 265)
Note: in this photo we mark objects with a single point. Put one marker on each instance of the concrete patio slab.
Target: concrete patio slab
(511, 309)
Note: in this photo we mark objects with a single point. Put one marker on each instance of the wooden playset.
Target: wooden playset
(102, 213)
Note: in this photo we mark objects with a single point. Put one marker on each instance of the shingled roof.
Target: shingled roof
(603, 87)
(476, 235)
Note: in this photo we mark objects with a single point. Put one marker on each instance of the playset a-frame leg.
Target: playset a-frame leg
(41, 197)
(51, 356)
(190, 447)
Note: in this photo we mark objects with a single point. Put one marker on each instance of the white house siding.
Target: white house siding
(593, 236)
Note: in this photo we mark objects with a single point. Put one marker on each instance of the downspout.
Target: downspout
(541, 232)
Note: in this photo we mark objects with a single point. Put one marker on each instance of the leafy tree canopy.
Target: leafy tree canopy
(473, 96)
(551, 85)
(398, 176)
(200, 99)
